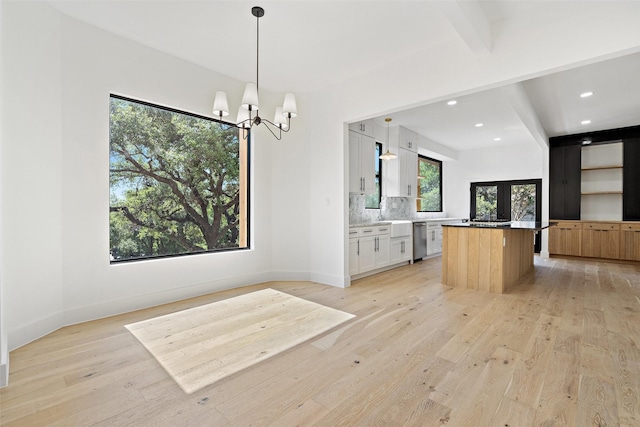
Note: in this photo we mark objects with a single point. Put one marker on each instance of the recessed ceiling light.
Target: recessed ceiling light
(479, 125)
(586, 94)
(585, 122)
(497, 139)
(452, 102)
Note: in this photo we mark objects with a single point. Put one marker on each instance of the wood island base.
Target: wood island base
(486, 258)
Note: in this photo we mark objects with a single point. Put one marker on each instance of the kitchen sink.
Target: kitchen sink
(400, 228)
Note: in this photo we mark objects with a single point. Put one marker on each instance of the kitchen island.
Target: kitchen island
(490, 257)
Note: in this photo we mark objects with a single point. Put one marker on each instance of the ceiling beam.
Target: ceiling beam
(519, 100)
(470, 22)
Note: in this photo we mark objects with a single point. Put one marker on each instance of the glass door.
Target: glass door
(486, 198)
(517, 200)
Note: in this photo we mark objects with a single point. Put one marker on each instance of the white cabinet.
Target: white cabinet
(408, 139)
(434, 238)
(408, 173)
(365, 127)
(369, 250)
(381, 251)
(362, 158)
(400, 250)
(401, 175)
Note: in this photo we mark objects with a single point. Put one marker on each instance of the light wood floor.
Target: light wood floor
(561, 348)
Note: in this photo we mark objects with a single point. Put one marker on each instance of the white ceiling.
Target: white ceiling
(308, 45)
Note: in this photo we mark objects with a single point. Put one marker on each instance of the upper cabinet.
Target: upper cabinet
(407, 139)
(564, 182)
(365, 127)
(362, 158)
(631, 180)
(400, 176)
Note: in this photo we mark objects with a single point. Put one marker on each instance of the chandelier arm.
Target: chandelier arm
(267, 123)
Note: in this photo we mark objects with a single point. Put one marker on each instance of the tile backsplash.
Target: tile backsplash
(390, 208)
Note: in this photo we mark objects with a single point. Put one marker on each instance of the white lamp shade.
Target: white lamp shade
(290, 106)
(250, 97)
(280, 120)
(243, 118)
(220, 104)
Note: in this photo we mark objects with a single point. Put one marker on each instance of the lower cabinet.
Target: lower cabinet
(608, 240)
(369, 250)
(601, 240)
(565, 238)
(400, 249)
(434, 238)
(630, 242)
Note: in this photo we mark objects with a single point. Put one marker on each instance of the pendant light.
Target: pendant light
(388, 155)
(249, 105)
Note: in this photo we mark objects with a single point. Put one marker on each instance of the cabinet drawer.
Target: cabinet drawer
(569, 225)
(630, 227)
(372, 231)
(600, 226)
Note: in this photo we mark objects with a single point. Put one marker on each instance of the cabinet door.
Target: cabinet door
(564, 182)
(355, 177)
(573, 177)
(395, 251)
(566, 239)
(368, 163)
(631, 180)
(367, 254)
(382, 251)
(365, 127)
(630, 242)
(354, 256)
(601, 240)
(408, 139)
(362, 158)
(408, 170)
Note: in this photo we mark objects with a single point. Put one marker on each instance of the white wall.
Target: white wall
(31, 170)
(521, 161)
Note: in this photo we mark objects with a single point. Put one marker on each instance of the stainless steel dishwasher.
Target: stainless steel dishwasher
(419, 240)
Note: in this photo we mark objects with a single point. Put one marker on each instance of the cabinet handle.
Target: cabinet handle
(358, 250)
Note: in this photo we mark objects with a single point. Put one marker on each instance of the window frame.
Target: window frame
(432, 160)
(244, 159)
(377, 176)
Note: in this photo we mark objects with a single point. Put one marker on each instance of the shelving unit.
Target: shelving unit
(601, 182)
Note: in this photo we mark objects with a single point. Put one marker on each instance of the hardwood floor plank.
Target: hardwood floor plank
(596, 404)
(625, 358)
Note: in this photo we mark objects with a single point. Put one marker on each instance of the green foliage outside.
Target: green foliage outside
(523, 202)
(486, 202)
(174, 182)
(429, 199)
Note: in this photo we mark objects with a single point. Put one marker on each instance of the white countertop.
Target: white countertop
(389, 222)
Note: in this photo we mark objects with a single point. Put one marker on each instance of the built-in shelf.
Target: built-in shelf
(594, 168)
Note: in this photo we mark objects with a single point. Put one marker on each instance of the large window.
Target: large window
(429, 185)
(372, 201)
(178, 182)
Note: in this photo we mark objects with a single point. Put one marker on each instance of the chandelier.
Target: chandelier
(248, 112)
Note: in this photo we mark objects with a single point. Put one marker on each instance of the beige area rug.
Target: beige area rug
(202, 345)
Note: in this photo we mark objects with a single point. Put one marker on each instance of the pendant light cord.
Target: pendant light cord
(257, 50)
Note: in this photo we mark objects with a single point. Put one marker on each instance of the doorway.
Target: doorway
(515, 200)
